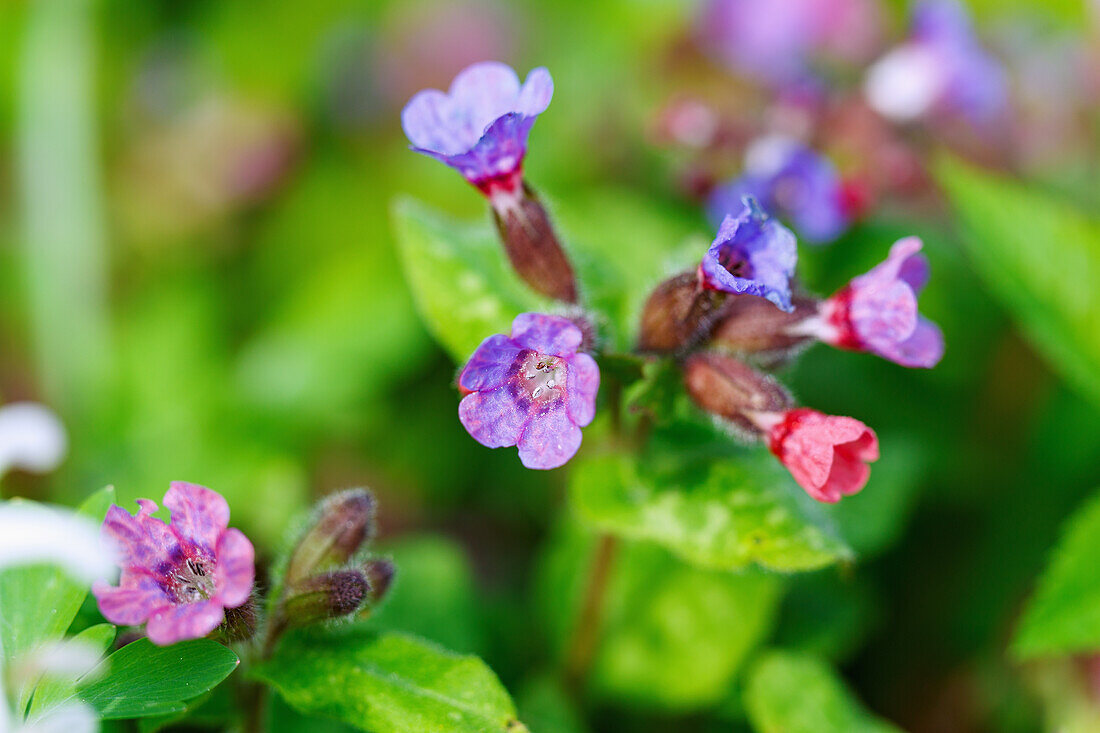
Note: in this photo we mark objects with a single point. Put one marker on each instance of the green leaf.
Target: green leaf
(461, 281)
(143, 679)
(727, 513)
(388, 682)
(1041, 258)
(39, 602)
(794, 693)
(672, 635)
(1064, 615)
(52, 691)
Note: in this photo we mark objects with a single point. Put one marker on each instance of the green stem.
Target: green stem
(586, 632)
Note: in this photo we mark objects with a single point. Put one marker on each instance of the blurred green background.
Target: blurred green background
(198, 272)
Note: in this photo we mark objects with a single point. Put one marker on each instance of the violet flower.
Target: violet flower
(753, 254)
(877, 312)
(480, 126)
(532, 389)
(778, 41)
(791, 181)
(940, 69)
(177, 578)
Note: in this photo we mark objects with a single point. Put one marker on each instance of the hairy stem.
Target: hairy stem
(586, 631)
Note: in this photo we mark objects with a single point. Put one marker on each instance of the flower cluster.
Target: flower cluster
(536, 387)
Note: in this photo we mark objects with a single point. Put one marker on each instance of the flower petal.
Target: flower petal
(236, 568)
(492, 418)
(139, 541)
(923, 349)
(582, 383)
(170, 624)
(536, 93)
(491, 364)
(135, 599)
(551, 335)
(199, 514)
(549, 440)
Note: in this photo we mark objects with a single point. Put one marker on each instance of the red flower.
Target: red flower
(827, 455)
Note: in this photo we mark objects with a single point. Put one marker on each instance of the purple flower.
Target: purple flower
(791, 181)
(941, 69)
(531, 389)
(777, 41)
(877, 311)
(752, 254)
(177, 578)
(480, 126)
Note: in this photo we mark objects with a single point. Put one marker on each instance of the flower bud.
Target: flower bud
(343, 523)
(728, 388)
(531, 245)
(752, 325)
(679, 314)
(325, 596)
(379, 574)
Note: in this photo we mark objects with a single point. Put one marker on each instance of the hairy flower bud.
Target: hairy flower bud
(679, 314)
(343, 523)
(240, 623)
(726, 387)
(325, 596)
(751, 325)
(530, 242)
(379, 574)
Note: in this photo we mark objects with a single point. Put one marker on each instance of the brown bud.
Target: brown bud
(343, 523)
(726, 387)
(325, 596)
(380, 575)
(752, 325)
(679, 314)
(531, 245)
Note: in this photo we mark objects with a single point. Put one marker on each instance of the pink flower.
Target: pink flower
(827, 455)
(177, 578)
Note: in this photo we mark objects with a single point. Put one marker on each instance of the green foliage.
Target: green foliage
(1041, 257)
(724, 513)
(39, 602)
(672, 635)
(141, 679)
(52, 691)
(387, 682)
(1064, 615)
(793, 693)
(547, 708)
(461, 281)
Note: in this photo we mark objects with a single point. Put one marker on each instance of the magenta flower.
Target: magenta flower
(177, 578)
(877, 312)
(827, 455)
(752, 254)
(532, 389)
(480, 126)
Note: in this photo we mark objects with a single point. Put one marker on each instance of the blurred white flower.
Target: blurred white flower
(31, 438)
(31, 533)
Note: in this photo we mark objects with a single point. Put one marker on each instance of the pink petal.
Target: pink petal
(923, 349)
(551, 335)
(139, 541)
(493, 418)
(199, 514)
(549, 440)
(187, 621)
(236, 568)
(582, 383)
(490, 365)
(137, 596)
